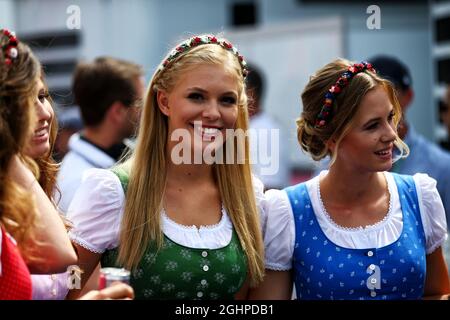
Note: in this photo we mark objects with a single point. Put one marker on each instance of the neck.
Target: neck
(101, 137)
(189, 174)
(350, 186)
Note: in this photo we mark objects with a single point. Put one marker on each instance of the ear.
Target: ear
(117, 111)
(405, 98)
(163, 102)
(410, 95)
(331, 144)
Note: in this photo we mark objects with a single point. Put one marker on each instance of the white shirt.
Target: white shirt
(82, 156)
(97, 209)
(279, 230)
(269, 154)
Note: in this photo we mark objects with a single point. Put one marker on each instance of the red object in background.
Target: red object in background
(101, 281)
(299, 176)
(15, 278)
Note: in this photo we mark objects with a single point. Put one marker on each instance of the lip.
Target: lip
(384, 154)
(41, 134)
(199, 130)
(206, 125)
(41, 129)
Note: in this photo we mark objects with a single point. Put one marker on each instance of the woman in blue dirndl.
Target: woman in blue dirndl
(356, 231)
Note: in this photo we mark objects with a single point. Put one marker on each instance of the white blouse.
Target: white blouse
(97, 209)
(279, 227)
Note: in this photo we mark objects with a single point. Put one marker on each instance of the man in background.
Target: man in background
(425, 155)
(269, 156)
(109, 93)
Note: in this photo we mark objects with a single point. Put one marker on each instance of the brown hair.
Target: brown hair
(314, 140)
(147, 169)
(17, 97)
(99, 84)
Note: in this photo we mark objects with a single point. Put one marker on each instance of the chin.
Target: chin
(385, 167)
(40, 151)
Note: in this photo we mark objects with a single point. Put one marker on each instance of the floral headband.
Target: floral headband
(10, 49)
(325, 114)
(200, 40)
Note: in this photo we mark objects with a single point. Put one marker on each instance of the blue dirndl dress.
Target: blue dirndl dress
(324, 270)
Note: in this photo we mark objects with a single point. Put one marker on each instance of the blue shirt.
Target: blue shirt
(427, 157)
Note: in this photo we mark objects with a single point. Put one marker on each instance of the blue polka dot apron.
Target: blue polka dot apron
(324, 270)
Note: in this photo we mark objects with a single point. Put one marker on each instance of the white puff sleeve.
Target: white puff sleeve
(278, 231)
(96, 211)
(431, 211)
(258, 189)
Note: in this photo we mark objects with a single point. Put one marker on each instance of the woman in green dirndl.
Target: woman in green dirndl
(181, 212)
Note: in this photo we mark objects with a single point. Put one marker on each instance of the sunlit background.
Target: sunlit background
(287, 39)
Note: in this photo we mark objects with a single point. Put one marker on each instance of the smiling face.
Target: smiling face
(369, 142)
(203, 102)
(40, 139)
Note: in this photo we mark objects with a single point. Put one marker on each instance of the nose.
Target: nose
(390, 133)
(211, 111)
(43, 112)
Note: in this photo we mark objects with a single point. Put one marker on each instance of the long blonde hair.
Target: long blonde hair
(18, 92)
(147, 169)
(314, 140)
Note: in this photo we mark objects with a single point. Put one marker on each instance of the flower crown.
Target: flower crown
(200, 40)
(10, 49)
(325, 113)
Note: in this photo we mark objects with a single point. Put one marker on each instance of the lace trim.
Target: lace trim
(437, 245)
(360, 228)
(209, 227)
(277, 267)
(82, 243)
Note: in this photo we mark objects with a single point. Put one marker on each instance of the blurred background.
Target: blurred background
(287, 39)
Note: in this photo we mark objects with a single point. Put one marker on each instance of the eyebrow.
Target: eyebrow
(205, 91)
(377, 118)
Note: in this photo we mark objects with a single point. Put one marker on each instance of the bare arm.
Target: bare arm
(277, 285)
(87, 261)
(52, 243)
(117, 291)
(437, 285)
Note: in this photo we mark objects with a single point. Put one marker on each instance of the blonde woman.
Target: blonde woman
(356, 231)
(186, 229)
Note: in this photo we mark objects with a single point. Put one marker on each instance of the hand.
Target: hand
(117, 291)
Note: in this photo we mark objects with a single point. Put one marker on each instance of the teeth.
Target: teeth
(210, 130)
(40, 132)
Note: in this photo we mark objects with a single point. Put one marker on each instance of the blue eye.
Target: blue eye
(228, 100)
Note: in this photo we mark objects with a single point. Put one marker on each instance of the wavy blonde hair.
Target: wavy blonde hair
(314, 140)
(18, 92)
(147, 169)
(48, 167)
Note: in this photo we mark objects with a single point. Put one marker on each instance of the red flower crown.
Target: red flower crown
(10, 49)
(200, 40)
(326, 113)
